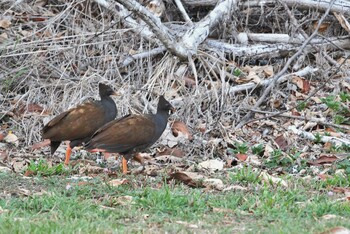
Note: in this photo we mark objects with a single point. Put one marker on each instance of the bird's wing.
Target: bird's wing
(124, 134)
(79, 122)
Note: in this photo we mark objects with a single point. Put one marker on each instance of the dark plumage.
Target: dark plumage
(131, 133)
(78, 124)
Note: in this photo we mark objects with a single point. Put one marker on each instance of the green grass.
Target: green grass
(158, 207)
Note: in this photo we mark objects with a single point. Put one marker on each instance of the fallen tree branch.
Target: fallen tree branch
(273, 50)
(335, 140)
(244, 87)
(150, 53)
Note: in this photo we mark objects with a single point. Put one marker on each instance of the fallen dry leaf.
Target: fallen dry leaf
(3, 155)
(329, 216)
(324, 176)
(276, 103)
(168, 159)
(179, 127)
(124, 200)
(303, 85)
(139, 158)
(89, 169)
(24, 191)
(347, 195)
(252, 76)
(268, 150)
(212, 165)
(213, 184)
(295, 113)
(40, 193)
(3, 37)
(190, 81)
(235, 187)
(282, 142)
(341, 190)
(323, 27)
(230, 163)
(254, 160)
(29, 173)
(83, 183)
(337, 230)
(342, 20)
(222, 210)
(22, 107)
(32, 107)
(189, 178)
(271, 179)
(187, 224)
(19, 165)
(174, 152)
(323, 159)
(327, 146)
(241, 157)
(309, 125)
(118, 182)
(4, 23)
(150, 170)
(268, 70)
(11, 138)
(170, 140)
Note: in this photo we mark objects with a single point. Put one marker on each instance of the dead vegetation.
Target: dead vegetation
(261, 74)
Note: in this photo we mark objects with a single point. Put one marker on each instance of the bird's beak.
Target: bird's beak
(172, 110)
(116, 94)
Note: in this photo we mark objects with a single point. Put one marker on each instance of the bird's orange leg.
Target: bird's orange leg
(125, 166)
(68, 153)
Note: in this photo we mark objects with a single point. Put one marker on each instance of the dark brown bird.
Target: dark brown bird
(131, 133)
(78, 124)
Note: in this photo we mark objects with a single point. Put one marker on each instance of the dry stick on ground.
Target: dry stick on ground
(284, 69)
(308, 135)
(297, 39)
(310, 119)
(130, 58)
(251, 85)
(270, 50)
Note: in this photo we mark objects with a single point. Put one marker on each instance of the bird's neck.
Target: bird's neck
(161, 118)
(109, 107)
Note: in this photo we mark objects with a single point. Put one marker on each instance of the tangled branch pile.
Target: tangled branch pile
(219, 62)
